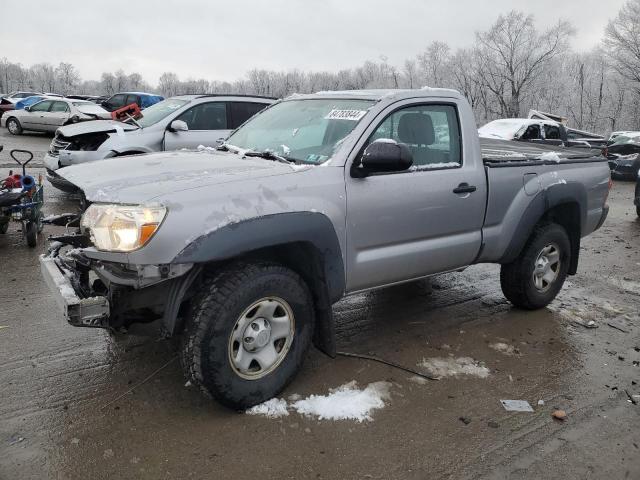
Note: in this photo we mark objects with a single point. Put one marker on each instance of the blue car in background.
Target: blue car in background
(119, 100)
(25, 102)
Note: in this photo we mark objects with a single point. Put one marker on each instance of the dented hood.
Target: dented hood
(142, 178)
(95, 126)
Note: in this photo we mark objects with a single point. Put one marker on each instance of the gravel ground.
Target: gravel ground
(79, 403)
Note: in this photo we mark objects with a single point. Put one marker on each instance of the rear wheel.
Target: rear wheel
(31, 233)
(14, 127)
(534, 279)
(4, 227)
(247, 333)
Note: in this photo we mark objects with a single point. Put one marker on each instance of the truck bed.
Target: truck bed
(503, 153)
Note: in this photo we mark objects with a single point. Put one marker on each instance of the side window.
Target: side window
(59, 107)
(206, 116)
(240, 112)
(117, 101)
(132, 99)
(42, 106)
(532, 133)
(431, 132)
(551, 132)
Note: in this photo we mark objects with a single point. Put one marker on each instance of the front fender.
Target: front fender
(270, 231)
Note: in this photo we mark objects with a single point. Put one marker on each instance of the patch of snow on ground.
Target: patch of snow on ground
(503, 348)
(346, 402)
(274, 408)
(452, 367)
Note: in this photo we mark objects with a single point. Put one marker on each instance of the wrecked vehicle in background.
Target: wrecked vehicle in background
(623, 153)
(187, 121)
(547, 132)
(243, 250)
(49, 114)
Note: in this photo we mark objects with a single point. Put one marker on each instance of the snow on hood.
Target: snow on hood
(95, 126)
(140, 178)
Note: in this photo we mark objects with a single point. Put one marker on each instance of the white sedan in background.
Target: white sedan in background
(47, 115)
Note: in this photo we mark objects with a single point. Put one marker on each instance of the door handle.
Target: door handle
(464, 187)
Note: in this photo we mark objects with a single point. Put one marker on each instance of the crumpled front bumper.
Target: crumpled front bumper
(78, 311)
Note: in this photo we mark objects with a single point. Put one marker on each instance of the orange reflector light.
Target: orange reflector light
(146, 232)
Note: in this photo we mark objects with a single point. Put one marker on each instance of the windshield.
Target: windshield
(301, 130)
(157, 112)
(89, 107)
(505, 129)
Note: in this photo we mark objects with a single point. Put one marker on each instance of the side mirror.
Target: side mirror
(178, 126)
(27, 108)
(383, 155)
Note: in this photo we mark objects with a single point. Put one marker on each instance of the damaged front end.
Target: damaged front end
(94, 292)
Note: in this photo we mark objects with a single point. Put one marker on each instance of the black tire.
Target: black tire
(31, 232)
(638, 211)
(516, 278)
(223, 297)
(4, 227)
(15, 128)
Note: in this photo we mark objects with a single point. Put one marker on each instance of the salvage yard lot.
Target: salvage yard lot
(78, 403)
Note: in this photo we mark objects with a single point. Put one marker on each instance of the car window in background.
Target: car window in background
(42, 106)
(131, 99)
(88, 107)
(157, 112)
(117, 101)
(532, 133)
(551, 132)
(59, 107)
(240, 112)
(206, 116)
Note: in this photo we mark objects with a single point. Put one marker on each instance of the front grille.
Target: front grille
(58, 143)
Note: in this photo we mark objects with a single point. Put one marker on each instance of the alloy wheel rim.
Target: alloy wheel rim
(261, 338)
(13, 128)
(546, 268)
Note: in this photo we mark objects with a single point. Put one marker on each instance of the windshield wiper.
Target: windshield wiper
(269, 155)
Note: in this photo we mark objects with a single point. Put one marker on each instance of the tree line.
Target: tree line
(512, 67)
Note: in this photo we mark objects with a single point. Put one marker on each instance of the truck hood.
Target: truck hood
(95, 126)
(142, 178)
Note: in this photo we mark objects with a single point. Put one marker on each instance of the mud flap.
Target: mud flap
(324, 336)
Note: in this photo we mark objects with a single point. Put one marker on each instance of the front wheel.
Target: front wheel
(247, 333)
(534, 279)
(14, 127)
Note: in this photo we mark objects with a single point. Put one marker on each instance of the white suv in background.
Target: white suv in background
(186, 121)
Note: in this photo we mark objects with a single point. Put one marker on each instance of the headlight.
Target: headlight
(121, 228)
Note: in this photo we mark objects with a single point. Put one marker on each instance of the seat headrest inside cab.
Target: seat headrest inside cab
(416, 129)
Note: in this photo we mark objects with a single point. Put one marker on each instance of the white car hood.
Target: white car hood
(95, 126)
(142, 178)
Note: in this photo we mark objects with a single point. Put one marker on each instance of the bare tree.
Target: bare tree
(622, 40)
(67, 78)
(434, 64)
(514, 54)
(168, 84)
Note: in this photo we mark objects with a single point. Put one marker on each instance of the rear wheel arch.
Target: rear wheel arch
(564, 204)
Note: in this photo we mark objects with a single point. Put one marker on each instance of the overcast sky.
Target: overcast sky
(223, 39)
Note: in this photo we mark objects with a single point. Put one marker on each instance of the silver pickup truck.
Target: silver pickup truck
(243, 249)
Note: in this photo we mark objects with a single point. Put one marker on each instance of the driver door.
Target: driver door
(413, 223)
(207, 123)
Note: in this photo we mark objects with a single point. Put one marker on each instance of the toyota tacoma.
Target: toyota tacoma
(240, 251)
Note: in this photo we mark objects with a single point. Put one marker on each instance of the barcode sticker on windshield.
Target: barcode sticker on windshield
(353, 115)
